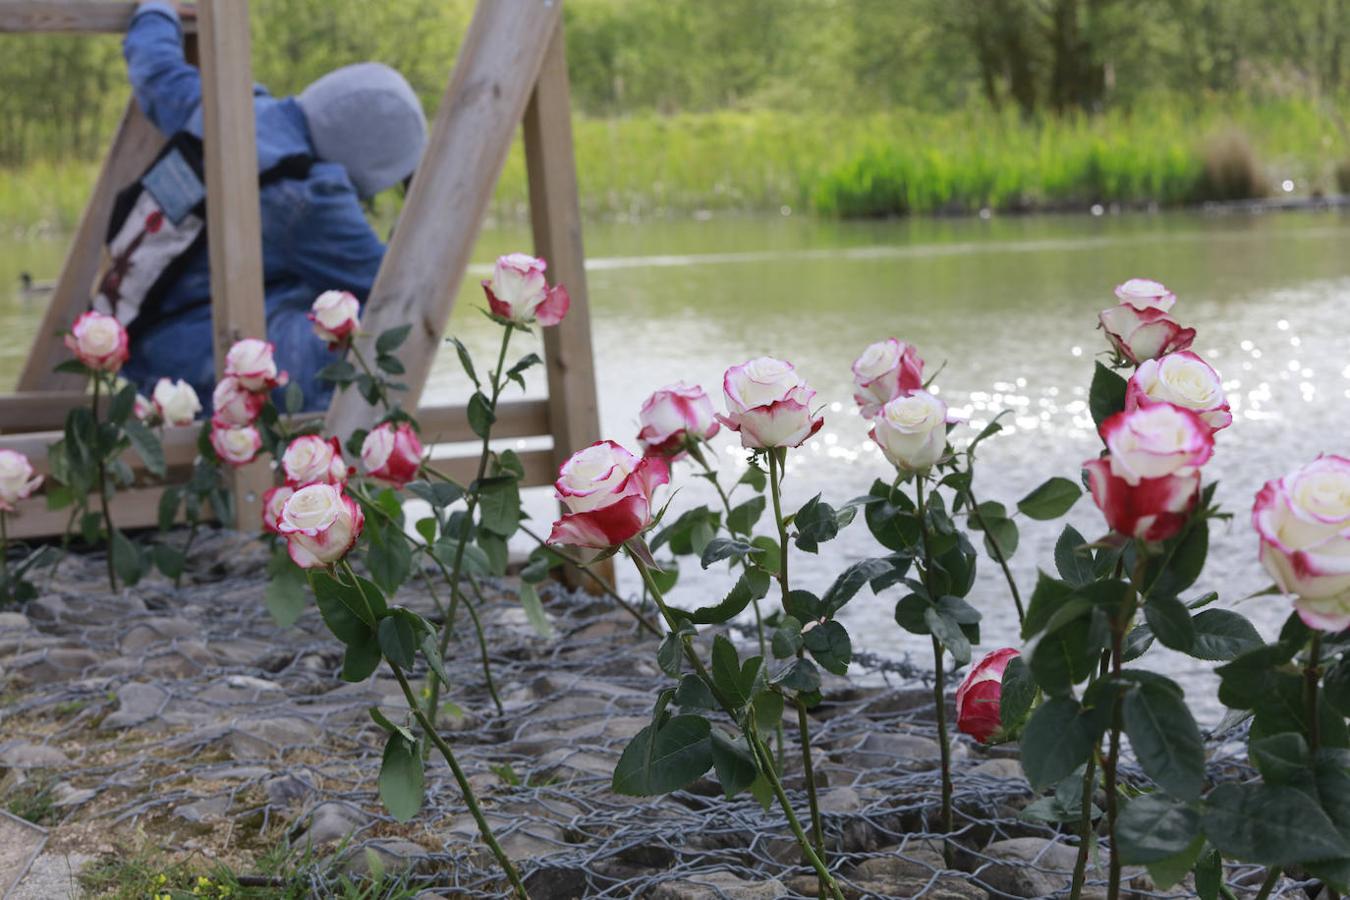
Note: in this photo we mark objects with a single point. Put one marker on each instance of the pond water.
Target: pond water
(1009, 304)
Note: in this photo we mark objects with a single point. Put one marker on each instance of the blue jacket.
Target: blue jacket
(315, 236)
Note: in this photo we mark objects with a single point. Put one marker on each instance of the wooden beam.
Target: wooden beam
(69, 16)
(555, 217)
(133, 147)
(233, 224)
(134, 508)
(491, 84)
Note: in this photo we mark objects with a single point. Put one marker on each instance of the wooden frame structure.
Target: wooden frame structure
(511, 70)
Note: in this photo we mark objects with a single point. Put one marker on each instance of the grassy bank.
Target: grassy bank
(879, 164)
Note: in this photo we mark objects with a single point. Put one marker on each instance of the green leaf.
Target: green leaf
(755, 477)
(720, 548)
(465, 360)
(658, 761)
(742, 519)
(1170, 621)
(1181, 562)
(147, 447)
(752, 585)
(787, 638)
(733, 762)
(123, 402)
(1269, 825)
(670, 654)
(1165, 738)
(1222, 635)
(1106, 396)
(1051, 500)
(1209, 875)
(851, 580)
(363, 657)
(693, 693)
(534, 610)
(432, 653)
(168, 559)
(948, 632)
(398, 640)
(390, 560)
(1282, 759)
(401, 779)
(126, 558)
(1058, 739)
(499, 505)
(392, 339)
(726, 671)
(480, 415)
(1154, 827)
(830, 646)
(799, 675)
(168, 507)
(1049, 595)
(1019, 692)
(294, 398)
(816, 522)
(1003, 533)
(338, 604)
(391, 365)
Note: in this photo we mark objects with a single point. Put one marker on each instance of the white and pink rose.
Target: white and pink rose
(884, 371)
(979, 711)
(233, 404)
(1182, 379)
(175, 402)
(769, 404)
(309, 459)
(336, 315)
(236, 445)
(392, 454)
(674, 417)
(320, 524)
(518, 292)
(253, 363)
(272, 504)
(608, 494)
(99, 342)
(17, 481)
(912, 431)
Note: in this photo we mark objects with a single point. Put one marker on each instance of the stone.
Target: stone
(887, 749)
(20, 843)
(52, 876)
(65, 795)
(54, 664)
(25, 755)
(182, 660)
(333, 821)
(137, 703)
(914, 861)
(1027, 867)
(718, 885)
(12, 621)
(1005, 769)
(394, 856)
(157, 630)
(203, 811)
(519, 837)
(285, 790)
(48, 608)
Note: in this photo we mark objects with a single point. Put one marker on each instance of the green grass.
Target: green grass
(1164, 151)
(34, 802)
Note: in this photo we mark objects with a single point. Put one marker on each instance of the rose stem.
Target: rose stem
(726, 504)
(939, 683)
(471, 506)
(4, 557)
(997, 552)
(803, 725)
(376, 379)
(103, 492)
(1112, 761)
(187, 547)
(764, 761)
(600, 582)
(1085, 839)
(447, 753)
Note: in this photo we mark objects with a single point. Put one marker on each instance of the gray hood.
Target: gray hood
(366, 118)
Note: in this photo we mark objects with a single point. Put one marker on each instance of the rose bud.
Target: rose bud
(176, 402)
(236, 445)
(144, 410)
(912, 431)
(1304, 523)
(978, 711)
(320, 524)
(17, 481)
(234, 405)
(519, 293)
(309, 459)
(272, 503)
(769, 404)
(1141, 334)
(1183, 379)
(336, 316)
(885, 370)
(1149, 482)
(674, 417)
(392, 454)
(251, 361)
(1144, 293)
(607, 493)
(98, 341)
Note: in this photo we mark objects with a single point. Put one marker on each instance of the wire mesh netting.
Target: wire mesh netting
(189, 716)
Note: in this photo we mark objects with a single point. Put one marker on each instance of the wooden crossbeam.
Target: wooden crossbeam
(69, 16)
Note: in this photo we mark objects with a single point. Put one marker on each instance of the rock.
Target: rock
(202, 811)
(915, 861)
(519, 837)
(557, 883)
(887, 749)
(394, 856)
(12, 621)
(285, 790)
(333, 821)
(186, 658)
(66, 795)
(137, 703)
(717, 885)
(25, 755)
(1027, 867)
(840, 801)
(54, 664)
(157, 630)
(48, 608)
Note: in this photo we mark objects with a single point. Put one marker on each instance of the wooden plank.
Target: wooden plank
(555, 217)
(70, 16)
(135, 508)
(422, 271)
(539, 470)
(233, 226)
(133, 147)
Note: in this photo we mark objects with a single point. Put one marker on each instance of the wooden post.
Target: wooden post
(233, 224)
(555, 216)
(133, 147)
(436, 232)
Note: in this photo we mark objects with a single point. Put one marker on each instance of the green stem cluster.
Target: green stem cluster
(939, 682)
(103, 491)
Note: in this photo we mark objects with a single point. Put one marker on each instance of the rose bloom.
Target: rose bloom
(251, 361)
(519, 293)
(392, 454)
(1183, 379)
(885, 370)
(236, 445)
(1142, 334)
(309, 459)
(607, 494)
(143, 409)
(234, 405)
(978, 710)
(673, 417)
(912, 431)
(320, 524)
(336, 316)
(17, 481)
(176, 402)
(1144, 293)
(272, 503)
(1303, 520)
(98, 341)
(769, 404)
(1149, 482)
